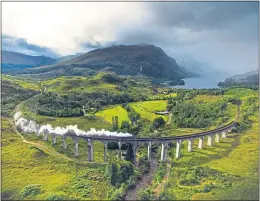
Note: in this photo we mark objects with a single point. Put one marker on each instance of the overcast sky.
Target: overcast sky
(222, 34)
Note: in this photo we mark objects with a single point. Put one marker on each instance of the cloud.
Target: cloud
(201, 15)
(64, 26)
(215, 32)
(20, 45)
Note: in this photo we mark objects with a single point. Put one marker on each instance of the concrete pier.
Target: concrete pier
(149, 151)
(209, 140)
(54, 139)
(64, 142)
(45, 136)
(119, 149)
(164, 152)
(105, 151)
(217, 137)
(178, 148)
(200, 146)
(76, 146)
(90, 150)
(134, 152)
(224, 134)
(190, 142)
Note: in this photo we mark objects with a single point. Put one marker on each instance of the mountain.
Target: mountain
(68, 57)
(249, 78)
(142, 59)
(14, 60)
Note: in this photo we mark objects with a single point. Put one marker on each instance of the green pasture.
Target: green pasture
(147, 109)
(207, 98)
(116, 110)
(239, 93)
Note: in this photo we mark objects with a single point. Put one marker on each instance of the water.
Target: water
(203, 82)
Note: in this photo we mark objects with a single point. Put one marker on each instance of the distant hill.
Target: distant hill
(15, 61)
(135, 60)
(249, 78)
(66, 58)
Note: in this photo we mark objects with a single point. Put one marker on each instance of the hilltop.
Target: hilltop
(14, 60)
(247, 79)
(134, 60)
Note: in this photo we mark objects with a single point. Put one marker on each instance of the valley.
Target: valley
(136, 109)
(130, 100)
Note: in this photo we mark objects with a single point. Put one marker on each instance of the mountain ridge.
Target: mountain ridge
(144, 59)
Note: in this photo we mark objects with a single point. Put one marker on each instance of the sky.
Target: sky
(221, 35)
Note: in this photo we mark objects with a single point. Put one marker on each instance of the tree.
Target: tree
(116, 123)
(125, 125)
(158, 122)
(129, 153)
(112, 173)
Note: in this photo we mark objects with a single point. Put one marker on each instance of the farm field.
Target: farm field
(116, 110)
(147, 109)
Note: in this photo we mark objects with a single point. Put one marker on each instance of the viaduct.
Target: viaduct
(210, 135)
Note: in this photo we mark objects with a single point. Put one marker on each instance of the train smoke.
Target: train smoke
(30, 126)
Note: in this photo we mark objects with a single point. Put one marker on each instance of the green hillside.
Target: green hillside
(46, 171)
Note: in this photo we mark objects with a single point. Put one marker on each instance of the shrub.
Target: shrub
(208, 187)
(118, 172)
(54, 197)
(144, 165)
(160, 173)
(146, 194)
(31, 189)
(132, 181)
(165, 195)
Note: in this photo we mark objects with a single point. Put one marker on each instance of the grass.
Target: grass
(162, 96)
(246, 154)
(23, 166)
(232, 165)
(239, 93)
(84, 123)
(21, 83)
(77, 84)
(116, 110)
(147, 109)
(207, 98)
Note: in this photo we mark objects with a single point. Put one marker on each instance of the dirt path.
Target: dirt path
(169, 118)
(145, 182)
(40, 146)
(160, 187)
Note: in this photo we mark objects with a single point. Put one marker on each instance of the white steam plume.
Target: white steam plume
(30, 126)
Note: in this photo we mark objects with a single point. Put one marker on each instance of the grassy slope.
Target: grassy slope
(21, 83)
(224, 158)
(239, 92)
(78, 84)
(116, 110)
(83, 123)
(147, 109)
(230, 111)
(22, 166)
